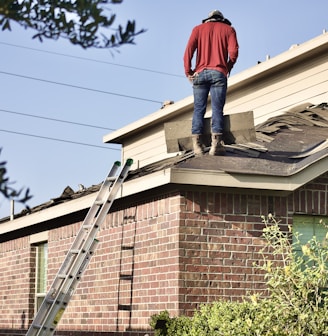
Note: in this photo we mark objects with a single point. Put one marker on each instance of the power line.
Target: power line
(80, 87)
(60, 140)
(57, 120)
(93, 60)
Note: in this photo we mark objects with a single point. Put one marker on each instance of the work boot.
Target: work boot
(217, 145)
(197, 144)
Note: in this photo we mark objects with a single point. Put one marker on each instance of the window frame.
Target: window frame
(41, 261)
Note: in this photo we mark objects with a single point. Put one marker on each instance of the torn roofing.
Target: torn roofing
(285, 145)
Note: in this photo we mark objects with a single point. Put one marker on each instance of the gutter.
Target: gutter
(178, 176)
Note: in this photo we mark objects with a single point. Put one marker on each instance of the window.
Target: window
(41, 273)
(308, 227)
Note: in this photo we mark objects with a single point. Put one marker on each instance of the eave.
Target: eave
(222, 179)
(174, 176)
(53, 214)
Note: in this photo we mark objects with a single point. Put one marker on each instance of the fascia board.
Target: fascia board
(176, 176)
(128, 188)
(50, 213)
(146, 182)
(217, 178)
(248, 181)
(222, 179)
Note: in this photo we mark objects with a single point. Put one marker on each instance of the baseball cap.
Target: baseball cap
(214, 13)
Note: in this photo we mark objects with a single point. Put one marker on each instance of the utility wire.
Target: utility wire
(57, 120)
(60, 140)
(80, 87)
(92, 60)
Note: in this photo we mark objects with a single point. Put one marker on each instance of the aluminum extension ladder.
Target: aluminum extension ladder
(78, 257)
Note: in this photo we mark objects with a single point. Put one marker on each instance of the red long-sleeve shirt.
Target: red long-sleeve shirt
(217, 48)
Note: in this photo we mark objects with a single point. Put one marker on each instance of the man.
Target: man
(216, 46)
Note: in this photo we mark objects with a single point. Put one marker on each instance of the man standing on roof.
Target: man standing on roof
(216, 46)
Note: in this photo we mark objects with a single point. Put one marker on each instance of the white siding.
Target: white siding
(293, 78)
(149, 146)
(146, 148)
(275, 95)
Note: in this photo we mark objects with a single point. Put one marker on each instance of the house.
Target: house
(184, 230)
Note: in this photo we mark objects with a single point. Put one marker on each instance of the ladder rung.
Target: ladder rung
(75, 251)
(87, 227)
(90, 226)
(37, 326)
(125, 307)
(125, 247)
(49, 300)
(126, 276)
(102, 202)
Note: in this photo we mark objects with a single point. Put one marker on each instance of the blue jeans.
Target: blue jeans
(215, 83)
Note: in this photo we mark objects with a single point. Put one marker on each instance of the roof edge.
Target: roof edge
(294, 53)
(159, 116)
(176, 176)
(51, 213)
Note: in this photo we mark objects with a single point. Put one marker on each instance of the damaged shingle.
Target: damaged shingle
(283, 146)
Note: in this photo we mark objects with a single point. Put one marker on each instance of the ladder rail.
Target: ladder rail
(53, 306)
(78, 256)
(107, 205)
(60, 303)
(53, 294)
(94, 209)
(76, 246)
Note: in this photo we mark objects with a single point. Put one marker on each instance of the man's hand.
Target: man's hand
(192, 77)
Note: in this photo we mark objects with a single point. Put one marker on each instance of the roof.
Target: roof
(284, 146)
(290, 150)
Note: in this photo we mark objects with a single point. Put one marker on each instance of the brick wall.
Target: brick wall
(310, 199)
(133, 274)
(220, 238)
(16, 271)
(169, 252)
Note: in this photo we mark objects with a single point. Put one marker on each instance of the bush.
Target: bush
(164, 325)
(297, 303)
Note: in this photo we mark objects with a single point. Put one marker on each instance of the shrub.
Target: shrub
(165, 325)
(297, 303)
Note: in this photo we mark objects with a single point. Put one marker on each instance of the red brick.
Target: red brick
(189, 248)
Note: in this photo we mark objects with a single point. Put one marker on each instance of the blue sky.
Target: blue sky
(113, 89)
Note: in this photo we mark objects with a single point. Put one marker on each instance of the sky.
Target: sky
(44, 84)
